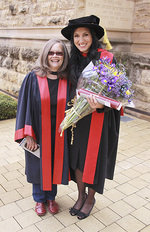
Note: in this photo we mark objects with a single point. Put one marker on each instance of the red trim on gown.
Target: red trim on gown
(93, 147)
(84, 54)
(59, 141)
(94, 139)
(46, 132)
(23, 132)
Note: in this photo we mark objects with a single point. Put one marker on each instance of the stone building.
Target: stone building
(25, 25)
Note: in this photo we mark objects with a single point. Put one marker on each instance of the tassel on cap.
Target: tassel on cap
(106, 41)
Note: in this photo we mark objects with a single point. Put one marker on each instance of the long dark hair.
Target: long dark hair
(77, 62)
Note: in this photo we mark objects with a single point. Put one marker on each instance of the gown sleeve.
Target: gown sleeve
(24, 118)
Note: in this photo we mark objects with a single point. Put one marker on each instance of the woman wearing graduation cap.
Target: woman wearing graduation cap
(42, 103)
(93, 153)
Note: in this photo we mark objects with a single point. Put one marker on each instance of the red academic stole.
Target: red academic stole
(94, 139)
(46, 133)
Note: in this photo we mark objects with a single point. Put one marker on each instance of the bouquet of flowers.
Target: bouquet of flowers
(107, 82)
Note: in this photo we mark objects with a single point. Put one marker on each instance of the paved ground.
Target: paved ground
(124, 206)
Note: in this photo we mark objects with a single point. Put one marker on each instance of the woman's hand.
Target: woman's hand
(94, 103)
(31, 143)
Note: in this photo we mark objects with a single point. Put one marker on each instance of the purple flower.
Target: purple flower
(104, 81)
(113, 79)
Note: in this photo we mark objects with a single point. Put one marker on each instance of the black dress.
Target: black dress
(53, 89)
(106, 158)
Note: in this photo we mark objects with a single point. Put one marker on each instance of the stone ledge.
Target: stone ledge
(137, 113)
(137, 41)
(36, 33)
(9, 94)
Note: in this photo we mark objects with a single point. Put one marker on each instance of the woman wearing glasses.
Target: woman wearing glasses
(42, 103)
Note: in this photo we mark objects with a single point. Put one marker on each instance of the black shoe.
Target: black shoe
(82, 215)
(74, 211)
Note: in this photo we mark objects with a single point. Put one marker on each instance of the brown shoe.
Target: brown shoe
(53, 207)
(40, 209)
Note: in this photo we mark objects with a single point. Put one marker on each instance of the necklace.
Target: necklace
(54, 73)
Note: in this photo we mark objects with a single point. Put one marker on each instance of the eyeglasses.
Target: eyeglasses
(57, 53)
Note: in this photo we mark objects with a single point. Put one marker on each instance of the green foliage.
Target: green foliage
(8, 107)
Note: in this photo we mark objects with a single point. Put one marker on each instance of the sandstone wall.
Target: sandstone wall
(15, 63)
(141, 19)
(25, 26)
(139, 64)
(138, 70)
(31, 13)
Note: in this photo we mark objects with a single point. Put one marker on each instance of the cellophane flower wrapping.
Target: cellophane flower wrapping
(103, 78)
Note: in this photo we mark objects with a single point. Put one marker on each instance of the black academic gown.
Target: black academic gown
(94, 177)
(34, 119)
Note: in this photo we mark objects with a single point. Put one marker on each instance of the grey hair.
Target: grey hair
(41, 67)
